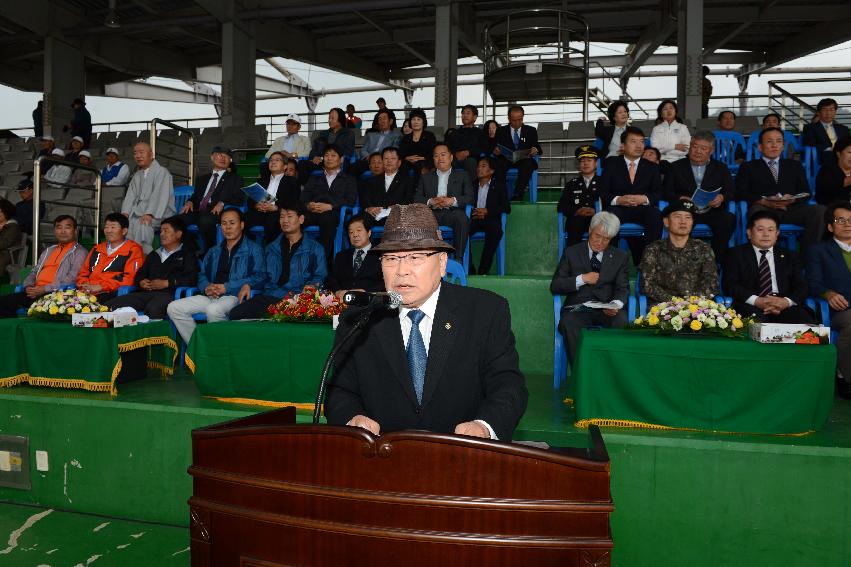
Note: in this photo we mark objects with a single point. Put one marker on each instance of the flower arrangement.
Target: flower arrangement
(311, 305)
(60, 305)
(693, 315)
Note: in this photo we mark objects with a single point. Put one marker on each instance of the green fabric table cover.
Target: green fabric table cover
(260, 361)
(55, 354)
(641, 379)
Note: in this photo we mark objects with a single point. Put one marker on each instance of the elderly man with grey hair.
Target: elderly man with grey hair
(594, 279)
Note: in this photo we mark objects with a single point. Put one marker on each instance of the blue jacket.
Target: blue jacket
(247, 267)
(307, 266)
(827, 270)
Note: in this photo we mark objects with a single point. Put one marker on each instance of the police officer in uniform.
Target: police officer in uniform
(579, 197)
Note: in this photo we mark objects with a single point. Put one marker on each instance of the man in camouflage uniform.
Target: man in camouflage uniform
(579, 197)
(678, 265)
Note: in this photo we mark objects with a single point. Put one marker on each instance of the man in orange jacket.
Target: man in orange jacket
(113, 263)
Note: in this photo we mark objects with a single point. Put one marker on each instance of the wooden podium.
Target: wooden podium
(269, 493)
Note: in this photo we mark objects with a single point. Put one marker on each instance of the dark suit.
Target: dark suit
(574, 196)
(228, 191)
(680, 182)
(612, 284)
(754, 181)
(648, 182)
(741, 281)
(525, 167)
(400, 192)
(288, 191)
(816, 135)
(605, 131)
(830, 185)
(472, 370)
(458, 186)
(496, 203)
(342, 276)
(342, 192)
(827, 271)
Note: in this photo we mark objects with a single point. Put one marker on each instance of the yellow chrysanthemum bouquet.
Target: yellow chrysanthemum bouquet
(60, 305)
(693, 315)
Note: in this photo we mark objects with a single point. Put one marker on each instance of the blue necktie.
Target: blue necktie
(417, 357)
(516, 139)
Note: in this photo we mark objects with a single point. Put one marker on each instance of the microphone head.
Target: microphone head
(395, 299)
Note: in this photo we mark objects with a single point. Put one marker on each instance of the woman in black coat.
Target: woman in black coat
(416, 148)
(833, 182)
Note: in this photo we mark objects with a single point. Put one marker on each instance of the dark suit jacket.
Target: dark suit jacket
(343, 191)
(604, 131)
(401, 192)
(827, 270)
(228, 190)
(288, 188)
(459, 186)
(497, 200)
(528, 138)
(830, 185)
(615, 180)
(741, 276)
(472, 370)
(614, 276)
(369, 277)
(754, 180)
(816, 135)
(680, 182)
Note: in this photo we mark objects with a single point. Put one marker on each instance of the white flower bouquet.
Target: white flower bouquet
(60, 305)
(693, 315)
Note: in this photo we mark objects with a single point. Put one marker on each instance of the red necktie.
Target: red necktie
(205, 202)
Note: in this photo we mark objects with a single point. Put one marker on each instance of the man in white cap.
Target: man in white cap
(58, 174)
(76, 148)
(84, 177)
(115, 172)
(47, 146)
(149, 198)
(293, 145)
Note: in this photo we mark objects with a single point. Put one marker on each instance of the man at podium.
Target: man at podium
(445, 361)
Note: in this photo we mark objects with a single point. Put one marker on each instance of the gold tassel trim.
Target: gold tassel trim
(569, 402)
(626, 423)
(164, 369)
(77, 384)
(13, 380)
(264, 403)
(148, 341)
(189, 362)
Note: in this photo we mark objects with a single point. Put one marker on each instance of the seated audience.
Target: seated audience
(149, 197)
(592, 271)
(653, 155)
(580, 195)
(324, 195)
(58, 175)
(165, 269)
(630, 187)
(76, 147)
(376, 169)
(490, 201)
(829, 275)
(766, 281)
(678, 266)
(112, 263)
(56, 267)
(391, 188)
(700, 171)
(280, 180)
(406, 127)
(355, 269)
(610, 134)
(47, 145)
(376, 140)
(24, 208)
(416, 148)
(518, 136)
(338, 135)
(237, 261)
(220, 188)
(292, 144)
(833, 182)
(727, 123)
(771, 182)
(10, 234)
(292, 262)
(382, 105)
(771, 120)
(84, 177)
(115, 172)
(490, 128)
(670, 135)
(823, 133)
(352, 121)
(447, 193)
(468, 142)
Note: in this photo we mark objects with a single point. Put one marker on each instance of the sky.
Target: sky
(16, 106)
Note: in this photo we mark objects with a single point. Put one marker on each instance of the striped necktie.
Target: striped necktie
(765, 287)
(358, 261)
(417, 355)
(772, 167)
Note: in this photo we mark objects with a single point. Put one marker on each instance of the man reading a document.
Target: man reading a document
(445, 361)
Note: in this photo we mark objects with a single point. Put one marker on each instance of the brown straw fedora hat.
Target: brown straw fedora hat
(411, 227)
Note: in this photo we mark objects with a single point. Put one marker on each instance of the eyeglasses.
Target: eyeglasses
(416, 259)
(842, 220)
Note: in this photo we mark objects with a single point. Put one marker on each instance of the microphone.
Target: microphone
(387, 299)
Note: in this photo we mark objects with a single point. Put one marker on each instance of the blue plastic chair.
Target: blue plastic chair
(726, 145)
(511, 179)
(455, 273)
(790, 140)
(181, 195)
(810, 159)
(500, 250)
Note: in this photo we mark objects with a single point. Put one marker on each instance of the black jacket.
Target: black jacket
(615, 180)
(741, 276)
(816, 135)
(474, 140)
(472, 373)
(528, 138)
(342, 276)
(343, 190)
(830, 185)
(228, 190)
(576, 195)
(680, 182)
(754, 180)
(180, 269)
(288, 188)
(401, 192)
(497, 200)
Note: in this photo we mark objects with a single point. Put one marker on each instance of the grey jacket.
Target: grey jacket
(374, 142)
(614, 276)
(69, 267)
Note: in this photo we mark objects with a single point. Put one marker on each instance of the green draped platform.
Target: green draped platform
(640, 379)
(55, 354)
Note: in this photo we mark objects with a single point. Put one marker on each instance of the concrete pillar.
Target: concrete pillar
(743, 94)
(64, 80)
(446, 66)
(238, 62)
(690, 59)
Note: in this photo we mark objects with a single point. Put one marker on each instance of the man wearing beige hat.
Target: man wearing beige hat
(292, 144)
(445, 361)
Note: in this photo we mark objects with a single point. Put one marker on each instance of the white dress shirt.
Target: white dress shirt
(164, 254)
(844, 247)
(330, 176)
(274, 182)
(443, 186)
(482, 201)
(774, 287)
(428, 308)
(388, 180)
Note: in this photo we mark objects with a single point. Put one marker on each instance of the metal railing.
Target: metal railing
(190, 161)
(797, 109)
(38, 180)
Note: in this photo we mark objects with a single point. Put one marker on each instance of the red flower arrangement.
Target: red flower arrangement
(311, 305)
